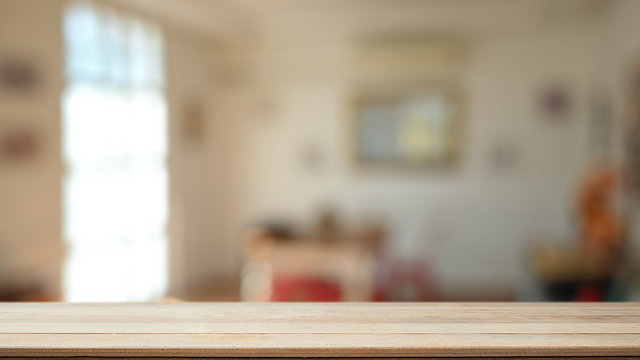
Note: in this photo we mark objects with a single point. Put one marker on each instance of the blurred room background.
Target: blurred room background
(319, 150)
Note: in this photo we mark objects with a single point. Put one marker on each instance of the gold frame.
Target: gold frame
(371, 93)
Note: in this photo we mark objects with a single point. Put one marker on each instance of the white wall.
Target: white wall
(189, 78)
(297, 95)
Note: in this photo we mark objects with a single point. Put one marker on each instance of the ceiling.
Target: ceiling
(346, 19)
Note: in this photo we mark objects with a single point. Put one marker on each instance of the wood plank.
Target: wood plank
(320, 330)
(331, 358)
(201, 327)
(339, 313)
(313, 345)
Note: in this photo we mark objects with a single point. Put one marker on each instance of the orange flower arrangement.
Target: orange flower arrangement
(600, 225)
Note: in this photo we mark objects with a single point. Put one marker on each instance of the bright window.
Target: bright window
(115, 150)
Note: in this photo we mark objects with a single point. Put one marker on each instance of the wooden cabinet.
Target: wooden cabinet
(328, 330)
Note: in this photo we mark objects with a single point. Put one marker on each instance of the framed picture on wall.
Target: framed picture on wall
(19, 75)
(417, 126)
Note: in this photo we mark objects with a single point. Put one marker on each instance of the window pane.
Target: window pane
(115, 146)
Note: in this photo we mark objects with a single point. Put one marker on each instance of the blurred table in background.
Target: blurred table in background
(306, 270)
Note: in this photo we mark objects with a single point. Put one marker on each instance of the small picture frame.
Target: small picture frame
(19, 75)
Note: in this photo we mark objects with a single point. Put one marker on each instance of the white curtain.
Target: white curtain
(115, 150)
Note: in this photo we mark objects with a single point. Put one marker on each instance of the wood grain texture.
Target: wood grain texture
(320, 330)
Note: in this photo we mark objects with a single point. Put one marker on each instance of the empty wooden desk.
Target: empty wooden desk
(297, 330)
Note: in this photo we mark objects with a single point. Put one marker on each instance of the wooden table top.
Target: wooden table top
(320, 330)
